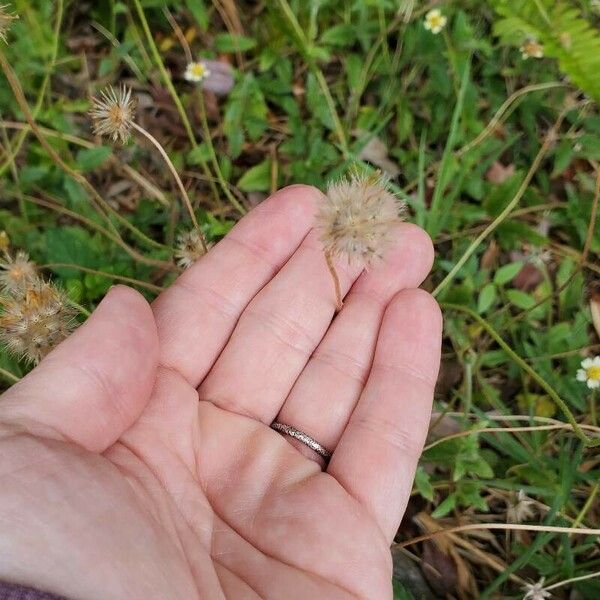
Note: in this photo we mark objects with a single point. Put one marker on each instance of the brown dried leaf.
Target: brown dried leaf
(376, 152)
(498, 173)
(441, 556)
(490, 256)
(528, 278)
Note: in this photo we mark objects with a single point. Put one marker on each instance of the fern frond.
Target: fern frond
(563, 32)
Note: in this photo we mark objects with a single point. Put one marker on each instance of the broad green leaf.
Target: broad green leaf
(257, 178)
(507, 273)
(486, 298)
(89, 159)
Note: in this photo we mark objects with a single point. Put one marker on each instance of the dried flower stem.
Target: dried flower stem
(469, 432)
(572, 580)
(134, 175)
(10, 376)
(175, 97)
(111, 236)
(115, 277)
(179, 34)
(12, 153)
(593, 215)
(339, 303)
(213, 157)
(182, 189)
(550, 138)
(102, 206)
(502, 526)
(591, 442)
(84, 311)
(306, 46)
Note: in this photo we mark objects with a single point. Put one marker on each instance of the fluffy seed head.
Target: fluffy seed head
(17, 273)
(189, 248)
(113, 113)
(357, 218)
(6, 19)
(32, 323)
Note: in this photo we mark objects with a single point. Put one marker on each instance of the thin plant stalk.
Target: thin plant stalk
(8, 375)
(184, 194)
(113, 276)
(572, 580)
(12, 153)
(550, 138)
(500, 526)
(213, 156)
(84, 311)
(591, 442)
(137, 256)
(103, 207)
(336, 282)
(304, 44)
(135, 175)
(172, 91)
(461, 434)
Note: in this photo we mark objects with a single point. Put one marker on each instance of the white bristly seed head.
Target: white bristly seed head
(189, 248)
(357, 218)
(16, 272)
(113, 113)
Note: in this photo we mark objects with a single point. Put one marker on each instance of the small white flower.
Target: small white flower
(196, 72)
(532, 49)
(520, 508)
(435, 21)
(536, 591)
(590, 372)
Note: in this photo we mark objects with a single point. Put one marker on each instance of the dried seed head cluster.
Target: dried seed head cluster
(33, 322)
(113, 113)
(6, 18)
(189, 248)
(17, 273)
(357, 218)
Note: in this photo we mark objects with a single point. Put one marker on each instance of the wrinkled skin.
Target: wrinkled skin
(136, 461)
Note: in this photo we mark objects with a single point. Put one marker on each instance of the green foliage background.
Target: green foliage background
(315, 82)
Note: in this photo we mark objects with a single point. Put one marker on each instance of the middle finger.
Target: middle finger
(276, 335)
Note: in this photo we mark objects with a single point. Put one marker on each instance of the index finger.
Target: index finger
(197, 314)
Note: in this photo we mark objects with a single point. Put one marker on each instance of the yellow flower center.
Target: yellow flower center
(593, 372)
(436, 21)
(116, 115)
(198, 70)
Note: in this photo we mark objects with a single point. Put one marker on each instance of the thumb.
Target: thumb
(94, 385)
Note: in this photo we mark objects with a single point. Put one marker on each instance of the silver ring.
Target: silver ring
(302, 437)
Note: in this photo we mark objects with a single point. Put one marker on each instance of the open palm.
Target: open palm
(137, 460)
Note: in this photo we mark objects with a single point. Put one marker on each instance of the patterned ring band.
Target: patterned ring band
(302, 437)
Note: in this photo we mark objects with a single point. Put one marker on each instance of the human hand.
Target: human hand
(137, 461)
